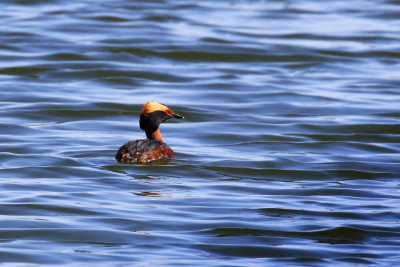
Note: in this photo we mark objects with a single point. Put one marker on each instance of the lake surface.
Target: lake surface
(289, 154)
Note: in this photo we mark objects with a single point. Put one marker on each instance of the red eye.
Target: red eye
(168, 113)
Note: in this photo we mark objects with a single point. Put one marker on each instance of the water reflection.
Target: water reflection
(151, 194)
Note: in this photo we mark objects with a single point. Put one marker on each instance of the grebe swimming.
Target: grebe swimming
(153, 148)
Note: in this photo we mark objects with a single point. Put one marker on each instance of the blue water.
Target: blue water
(288, 155)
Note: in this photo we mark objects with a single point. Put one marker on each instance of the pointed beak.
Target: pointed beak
(177, 116)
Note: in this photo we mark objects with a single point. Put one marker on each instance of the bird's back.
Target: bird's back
(143, 151)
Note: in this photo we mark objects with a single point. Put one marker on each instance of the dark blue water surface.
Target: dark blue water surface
(289, 154)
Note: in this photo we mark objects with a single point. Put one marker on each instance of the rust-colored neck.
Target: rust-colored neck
(155, 135)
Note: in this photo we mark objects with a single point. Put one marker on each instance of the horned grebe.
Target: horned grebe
(153, 148)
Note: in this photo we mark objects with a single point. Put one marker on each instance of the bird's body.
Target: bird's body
(153, 148)
(144, 151)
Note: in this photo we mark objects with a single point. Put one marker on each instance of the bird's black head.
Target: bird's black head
(153, 114)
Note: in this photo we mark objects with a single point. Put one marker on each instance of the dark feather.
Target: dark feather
(143, 151)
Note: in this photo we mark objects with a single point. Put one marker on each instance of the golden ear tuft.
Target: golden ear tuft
(150, 107)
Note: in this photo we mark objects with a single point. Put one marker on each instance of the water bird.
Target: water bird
(153, 148)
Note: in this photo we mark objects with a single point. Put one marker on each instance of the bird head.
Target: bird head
(153, 114)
